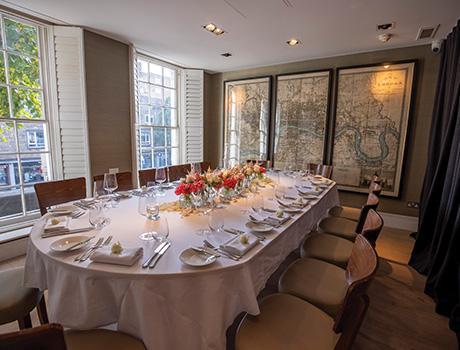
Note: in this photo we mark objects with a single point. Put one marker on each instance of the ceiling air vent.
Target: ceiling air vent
(427, 32)
(226, 54)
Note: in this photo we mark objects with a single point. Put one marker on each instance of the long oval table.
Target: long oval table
(172, 306)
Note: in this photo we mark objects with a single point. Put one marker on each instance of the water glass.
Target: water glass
(159, 231)
(152, 208)
(97, 217)
(216, 221)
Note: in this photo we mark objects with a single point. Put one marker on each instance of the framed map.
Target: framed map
(302, 102)
(371, 120)
(247, 119)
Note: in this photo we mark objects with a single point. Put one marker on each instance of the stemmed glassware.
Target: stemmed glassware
(216, 221)
(196, 167)
(160, 178)
(159, 232)
(97, 217)
(110, 185)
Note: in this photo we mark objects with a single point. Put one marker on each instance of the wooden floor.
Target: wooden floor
(400, 315)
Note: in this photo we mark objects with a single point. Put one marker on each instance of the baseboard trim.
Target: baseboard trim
(403, 222)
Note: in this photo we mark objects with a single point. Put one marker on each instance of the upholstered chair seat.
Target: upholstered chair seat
(345, 212)
(318, 282)
(329, 248)
(97, 339)
(338, 226)
(289, 323)
(16, 301)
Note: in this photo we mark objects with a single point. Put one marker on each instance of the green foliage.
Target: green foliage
(22, 70)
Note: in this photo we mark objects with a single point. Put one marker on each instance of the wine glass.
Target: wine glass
(216, 221)
(97, 219)
(159, 232)
(110, 185)
(160, 178)
(195, 167)
(257, 203)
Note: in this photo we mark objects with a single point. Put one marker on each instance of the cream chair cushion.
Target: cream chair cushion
(340, 227)
(345, 212)
(329, 248)
(318, 282)
(286, 322)
(16, 301)
(100, 339)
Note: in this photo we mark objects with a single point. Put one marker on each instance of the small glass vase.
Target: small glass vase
(226, 194)
(185, 201)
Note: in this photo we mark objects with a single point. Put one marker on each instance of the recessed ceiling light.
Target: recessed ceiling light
(386, 66)
(211, 27)
(293, 42)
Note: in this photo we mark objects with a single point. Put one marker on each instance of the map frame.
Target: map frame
(405, 116)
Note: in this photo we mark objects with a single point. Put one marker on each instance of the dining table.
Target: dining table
(173, 305)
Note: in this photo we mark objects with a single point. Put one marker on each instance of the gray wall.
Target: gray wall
(108, 100)
(414, 168)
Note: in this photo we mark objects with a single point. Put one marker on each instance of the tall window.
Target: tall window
(157, 122)
(24, 142)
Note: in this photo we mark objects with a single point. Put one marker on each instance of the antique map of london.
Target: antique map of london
(371, 123)
(301, 112)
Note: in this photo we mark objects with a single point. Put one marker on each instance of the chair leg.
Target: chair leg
(26, 322)
(41, 311)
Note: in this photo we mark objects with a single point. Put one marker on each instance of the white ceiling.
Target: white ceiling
(256, 29)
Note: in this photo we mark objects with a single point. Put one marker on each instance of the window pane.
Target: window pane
(143, 70)
(9, 173)
(157, 116)
(155, 74)
(24, 71)
(31, 198)
(144, 115)
(35, 168)
(146, 159)
(10, 202)
(7, 138)
(27, 104)
(145, 137)
(172, 137)
(21, 37)
(170, 117)
(169, 77)
(32, 137)
(2, 68)
(159, 158)
(169, 98)
(4, 105)
(156, 96)
(158, 137)
(143, 93)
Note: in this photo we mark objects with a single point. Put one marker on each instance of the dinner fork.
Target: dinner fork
(88, 253)
(223, 252)
(81, 255)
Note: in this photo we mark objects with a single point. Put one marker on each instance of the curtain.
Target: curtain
(436, 253)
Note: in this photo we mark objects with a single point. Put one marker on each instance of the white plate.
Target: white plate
(258, 227)
(61, 245)
(292, 210)
(193, 258)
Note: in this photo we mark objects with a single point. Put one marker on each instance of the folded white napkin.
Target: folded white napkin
(235, 246)
(127, 257)
(309, 192)
(268, 218)
(57, 223)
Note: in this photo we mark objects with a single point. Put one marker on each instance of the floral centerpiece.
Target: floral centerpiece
(192, 184)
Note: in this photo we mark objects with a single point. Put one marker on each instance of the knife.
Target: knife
(155, 252)
(159, 255)
(76, 245)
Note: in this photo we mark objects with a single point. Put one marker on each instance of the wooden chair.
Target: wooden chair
(124, 180)
(336, 250)
(324, 170)
(351, 213)
(176, 172)
(288, 322)
(259, 162)
(57, 192)
(17, 301)
(53, 337)
(346, 228)
(147, 175)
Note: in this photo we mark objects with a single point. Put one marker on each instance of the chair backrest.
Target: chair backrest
(46, 337)
(58, 192)
(175, 172)
(124, 180)
(372, 226)
(361, 267)
(324, 170)
(371, 203)
(147, 175)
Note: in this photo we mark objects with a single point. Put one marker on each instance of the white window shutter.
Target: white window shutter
(192, 110)
(71, 103)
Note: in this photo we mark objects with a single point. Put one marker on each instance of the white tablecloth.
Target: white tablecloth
(172, 306)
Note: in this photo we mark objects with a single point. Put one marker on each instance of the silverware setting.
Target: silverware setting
(159, 255)
(87, 253)
(67, 232)
(155, 252)
(219, 250)
(205, 252)
(76, 245)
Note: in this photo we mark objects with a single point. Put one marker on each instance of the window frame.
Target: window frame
(49, 117)
(138, 126)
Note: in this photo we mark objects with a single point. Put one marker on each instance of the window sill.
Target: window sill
(16, 233)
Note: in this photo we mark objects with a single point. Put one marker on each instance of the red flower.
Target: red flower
(230, 182)
(263, 170)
